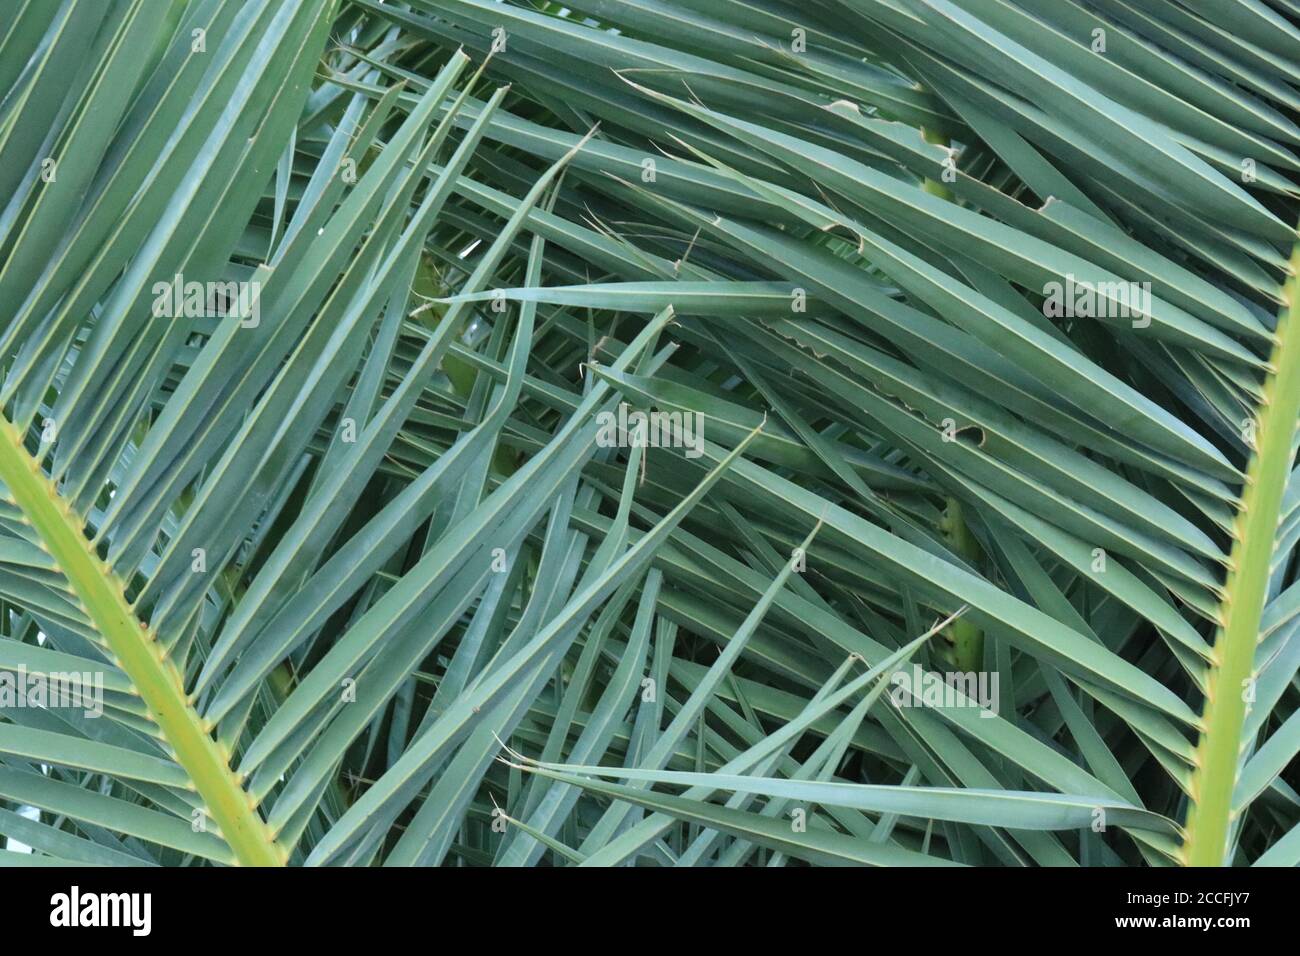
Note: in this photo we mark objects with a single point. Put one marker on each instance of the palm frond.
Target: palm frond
(982, 312)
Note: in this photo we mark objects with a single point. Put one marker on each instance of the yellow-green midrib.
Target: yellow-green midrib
(1219, 750)
(138, 653)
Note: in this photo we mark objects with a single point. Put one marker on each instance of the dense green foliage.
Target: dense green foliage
(980, 307)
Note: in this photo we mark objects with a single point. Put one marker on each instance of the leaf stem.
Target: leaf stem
(1219, 751)
(138, 653)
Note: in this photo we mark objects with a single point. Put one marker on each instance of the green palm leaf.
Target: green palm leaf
(993, 298)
